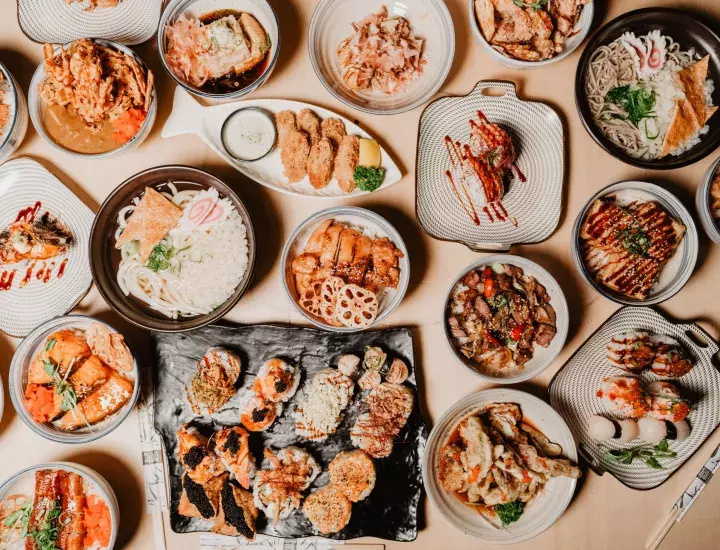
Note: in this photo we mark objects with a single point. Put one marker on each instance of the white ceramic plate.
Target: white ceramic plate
(542, 357)
(543, 511)
(23, 183)
(131, 22)
(189, 117)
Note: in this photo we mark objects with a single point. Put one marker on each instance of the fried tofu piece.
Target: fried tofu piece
(334, 130)
(294, 152)
(106, 400)
(346, 162)
(309, 122)
(152, 219)
(320, 163)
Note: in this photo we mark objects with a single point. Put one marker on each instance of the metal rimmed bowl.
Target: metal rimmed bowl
(37, 107)
(703, 204)
(23, 483)
(363, 220)
(542, 357)
(541, 512)
(260, 9)
(429, 19)
(12, 134)
(688, 30)
(679, 268)
(105, 259)
(25, 354)
(581, 30)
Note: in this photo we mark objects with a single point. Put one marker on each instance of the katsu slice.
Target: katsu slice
(294, 152)
(309, 122)
(334, 130)
(346, 162)
(320, 163)
(285, 122)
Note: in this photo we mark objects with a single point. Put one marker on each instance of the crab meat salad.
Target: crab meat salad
(219, 52)
(497, 463)
(80, 378)
(382, 55)
(498, 316)
(58, 509)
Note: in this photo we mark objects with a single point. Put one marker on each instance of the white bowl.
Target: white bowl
(24, 355)
(23, 482)
(429, 19)
(542, 357)
(582, 28)
(355, 217)
(14, 132)
(543, 511)
(36, 105)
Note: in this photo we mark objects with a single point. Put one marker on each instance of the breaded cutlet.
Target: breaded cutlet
(294, 152)
(346, 161)
(334, 130)
(309, 122)
(285, 122)
(320, 163)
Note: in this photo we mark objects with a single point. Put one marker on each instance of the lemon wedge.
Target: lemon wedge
(369, 153)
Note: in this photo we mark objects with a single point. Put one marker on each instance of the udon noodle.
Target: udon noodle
(202, 270)
(612, 66)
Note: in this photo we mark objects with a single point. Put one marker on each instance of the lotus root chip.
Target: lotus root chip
(356, 307)
(328, 297)
(310, 300)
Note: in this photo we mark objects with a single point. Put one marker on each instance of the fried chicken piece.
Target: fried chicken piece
(361, 260)
(320, 163)
(346, 252)
(384, 265)
(347, 160)
(309, 122)
(334, 130)
(294, 151)
(285, 122)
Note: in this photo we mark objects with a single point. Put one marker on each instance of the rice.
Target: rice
(320, 406)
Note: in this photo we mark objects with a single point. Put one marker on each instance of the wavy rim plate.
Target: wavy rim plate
(189, 117)
(572, 393)
(23, 182)
(539, 138)
(132, 22)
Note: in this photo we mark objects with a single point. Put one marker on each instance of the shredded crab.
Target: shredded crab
(382, 55)
(98, 81)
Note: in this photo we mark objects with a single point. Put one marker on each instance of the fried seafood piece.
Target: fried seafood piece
(110, 347)
(389, 407)
(346, 162)
(548, 467)
(320, 163)
(334, 130)
(27, 241)
(278, 488)
(632, 352)
(353, 472)
(201, 500)
(450, 469)
(294, 152)
(624, 395)
(257, 413)
(231, 445)
(277, 380)
(193, 452)
(286, 122)
(237, 514)
(328, 509)
(310, 123)
(213, 383)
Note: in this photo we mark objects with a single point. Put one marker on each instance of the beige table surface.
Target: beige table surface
(603, 513)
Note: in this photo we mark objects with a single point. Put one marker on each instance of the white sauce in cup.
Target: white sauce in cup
(248, 134)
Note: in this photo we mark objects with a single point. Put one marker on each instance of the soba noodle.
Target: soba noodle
(612, 66)
(203, 272)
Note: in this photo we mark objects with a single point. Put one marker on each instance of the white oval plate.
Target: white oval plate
(542, 511)
(131, 22)
(23, 182)
(189, 117)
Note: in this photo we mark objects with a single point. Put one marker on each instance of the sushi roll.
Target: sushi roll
(624, 395)
(654, 431)
(671, 360)
(666, 402)
(632, 352)
(604, 429)
(348, 364)
(257, 413)
(277, 380)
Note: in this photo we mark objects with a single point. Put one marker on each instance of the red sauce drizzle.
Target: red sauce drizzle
(28, 214)
(40, 273)
(488, 214)
(48, 273)
(482, 117)
(520, 175)
(28, 275)
(61, 271)
(6, 279)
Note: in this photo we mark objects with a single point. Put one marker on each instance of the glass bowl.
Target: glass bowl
(12, 135)
(429, 19)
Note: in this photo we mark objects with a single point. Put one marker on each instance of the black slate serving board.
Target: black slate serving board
(391, 510)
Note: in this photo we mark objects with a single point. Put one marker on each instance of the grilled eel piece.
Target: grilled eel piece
(72, 502)
(605, 250)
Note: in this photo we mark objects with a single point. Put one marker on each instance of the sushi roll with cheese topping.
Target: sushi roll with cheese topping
(632, 352)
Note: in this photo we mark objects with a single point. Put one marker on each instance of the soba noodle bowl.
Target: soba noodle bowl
(190, 272)
(614, 66)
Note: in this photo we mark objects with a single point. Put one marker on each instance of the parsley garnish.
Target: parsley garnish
(636, 101)
(649, 456)
(634, 240)
(509, 512)
(368, 178)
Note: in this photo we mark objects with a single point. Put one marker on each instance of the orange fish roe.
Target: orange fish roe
(97, 522)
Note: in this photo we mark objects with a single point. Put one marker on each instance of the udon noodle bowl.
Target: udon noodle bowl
(649, 96)
(198, 263)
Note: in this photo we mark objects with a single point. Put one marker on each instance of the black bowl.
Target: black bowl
(686, 29)
(105, 259)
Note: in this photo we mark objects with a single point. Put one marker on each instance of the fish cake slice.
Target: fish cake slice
(309, 122)
(320, 163)
(294, 152)
(346, 162)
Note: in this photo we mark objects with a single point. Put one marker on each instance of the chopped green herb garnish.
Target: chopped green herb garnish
(46, 537)
(161, 258)
(634, 240)
(650, 456)
(510, 512)
(636, 101)
(50, 344)
(498, 301)
(20, 518)
(536, 5)
(367, 178)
